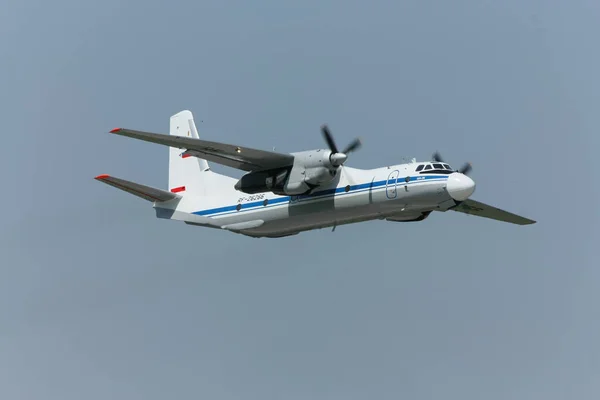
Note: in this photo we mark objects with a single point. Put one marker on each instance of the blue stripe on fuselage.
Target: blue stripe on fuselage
(319, 195)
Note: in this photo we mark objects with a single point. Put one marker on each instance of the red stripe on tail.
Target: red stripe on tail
(178, 189)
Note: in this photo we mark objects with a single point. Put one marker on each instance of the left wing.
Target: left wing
(145, 192)
(239, 157)
(483, 210)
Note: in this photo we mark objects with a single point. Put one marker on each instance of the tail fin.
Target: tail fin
(185, 173)
(189, 174)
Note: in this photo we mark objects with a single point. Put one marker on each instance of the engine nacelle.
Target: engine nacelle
(310, 169)
(313, 167)
(263, 181)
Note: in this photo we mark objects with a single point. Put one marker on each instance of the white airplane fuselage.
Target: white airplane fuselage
(282, 194)
(396, 193)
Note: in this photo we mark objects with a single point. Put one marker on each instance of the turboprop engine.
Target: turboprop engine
(310, 169)
(263, 181)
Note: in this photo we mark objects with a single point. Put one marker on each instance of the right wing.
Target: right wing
(143, 191)
(486, 211)
(243, 158)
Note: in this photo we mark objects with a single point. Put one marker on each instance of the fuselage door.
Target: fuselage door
(390, 186)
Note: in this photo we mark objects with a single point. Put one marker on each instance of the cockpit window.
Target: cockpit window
(428, 166)
(447, 166)
(438, 166)
(420, 167)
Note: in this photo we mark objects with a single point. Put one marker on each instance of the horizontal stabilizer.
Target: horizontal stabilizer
(483, 210)
(143, 191)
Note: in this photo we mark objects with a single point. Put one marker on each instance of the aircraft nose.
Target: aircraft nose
(459, 186)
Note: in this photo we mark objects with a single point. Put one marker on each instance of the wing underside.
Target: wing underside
(479, 209)
(244, 158)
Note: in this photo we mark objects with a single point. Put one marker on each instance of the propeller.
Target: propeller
(337, 158)
(465, 169)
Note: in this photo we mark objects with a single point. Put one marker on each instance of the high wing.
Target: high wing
(143, 191)
(486, 211)
(239, 157)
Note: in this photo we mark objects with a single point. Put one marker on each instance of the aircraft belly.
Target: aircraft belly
(345, 209)
(315, 220)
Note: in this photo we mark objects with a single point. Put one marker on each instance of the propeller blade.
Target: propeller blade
(465, 168)
(329, 139)
(355, 145)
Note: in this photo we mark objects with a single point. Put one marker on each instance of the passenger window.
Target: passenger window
(420, 167)
(438, 166)
(428, 166)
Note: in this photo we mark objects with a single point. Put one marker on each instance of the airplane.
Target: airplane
(283, 194)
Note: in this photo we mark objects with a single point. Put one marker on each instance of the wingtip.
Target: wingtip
(528, 221)
(115, 130)
(101, 177)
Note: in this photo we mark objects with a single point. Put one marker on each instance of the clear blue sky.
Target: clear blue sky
(98, 299)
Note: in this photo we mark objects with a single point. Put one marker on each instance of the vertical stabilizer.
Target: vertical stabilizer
(186, 174)
(189, 174)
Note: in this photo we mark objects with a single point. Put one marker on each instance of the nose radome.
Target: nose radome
(459, 186)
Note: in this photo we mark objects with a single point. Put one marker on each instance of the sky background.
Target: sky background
(99, 299)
